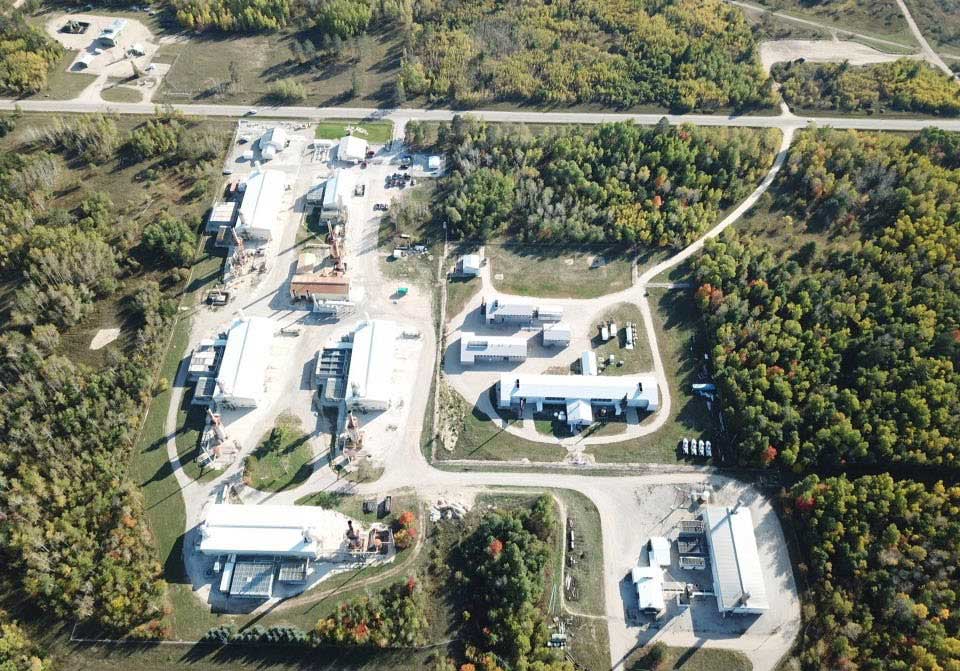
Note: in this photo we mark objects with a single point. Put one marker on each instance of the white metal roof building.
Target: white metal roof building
(307, 532)
(221, 215)
(659, 551)
(352, 149)
(549, 313)
(470, 264)
(332, 195)
(371, 365)
(649, 583)
(579, 413)
(111, 34)
(514, 313)
(241, 378)
(477, 348)
(588, 363)
(734, 560)
(640, 391)
(260, 209)
(273, 141)
(556, 334)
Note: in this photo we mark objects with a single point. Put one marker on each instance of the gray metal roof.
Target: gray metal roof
(252, 579)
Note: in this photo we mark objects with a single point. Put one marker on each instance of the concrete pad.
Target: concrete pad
(103, 338)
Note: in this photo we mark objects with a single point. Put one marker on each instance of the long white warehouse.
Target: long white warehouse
(734, 560)
(638, 391)
(482, 348)
(260, 209)
(307, 532)
(241, 379)
(371, 365)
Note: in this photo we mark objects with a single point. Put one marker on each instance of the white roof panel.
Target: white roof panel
(352, 148)
(294, 531)
(260, 209)
(588, 363)
(735, 560)
(640, 390)
(649, 583)
(243, 369)
(660, 551)
(473, 345)
(579, 412)
(371, 364)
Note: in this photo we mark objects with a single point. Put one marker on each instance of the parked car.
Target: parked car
(686, 446)
(702, 448)
(709, 449)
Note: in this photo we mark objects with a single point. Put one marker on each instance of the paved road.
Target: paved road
(401, 116)
(932, 56)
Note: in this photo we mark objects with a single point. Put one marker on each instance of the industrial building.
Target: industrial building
(482, 348)
(260, 210)
(241, 378)
(578, 393)
(502, 312)
(556, 334)
(331, 203)
(266, 543)
(272, 142)
(648, 581)
(734, 560)
(470, 264)
(111, 34)
(352, 149)
(205, 358)
(321, 287)
(371, 366)
(221, 214)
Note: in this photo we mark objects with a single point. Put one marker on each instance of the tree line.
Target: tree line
(73, 536)
(882, 563)
(845, 353)
(26, 54)
(675, 53)
(611, 183)
(904, 85)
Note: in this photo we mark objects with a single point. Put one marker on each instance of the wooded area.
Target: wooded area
(74, 537)
(883, 567)
(26, 54)
(611, 183)
(904, 85)
(671, 53)
(846, 353)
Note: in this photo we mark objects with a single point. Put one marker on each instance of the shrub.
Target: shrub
(287, 91)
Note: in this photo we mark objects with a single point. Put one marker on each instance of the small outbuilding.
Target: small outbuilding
(352, 149)
(221, 214)
(273, 142)
(433, 163)
(83, 61)
(588, 363)
(556, 334)
(659, 551)
(470, 264)
(482, 348)
(579, 413)
(648, 581)
(111, 34)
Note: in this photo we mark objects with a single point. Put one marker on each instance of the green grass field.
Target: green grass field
(876, 18)
(63, 84)
(378, 132)
(282, 460)
(676, 320)
(459, 292)
(558, 271)
(479, 438)
(688, 659)
(636, 360)
(122, 94)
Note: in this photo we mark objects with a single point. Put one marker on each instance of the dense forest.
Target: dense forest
(883, 569)
(680, 54)
(73, 531)
(903, 85)
(500, 579)
(612, 183)
(26, 54)
(845, 352)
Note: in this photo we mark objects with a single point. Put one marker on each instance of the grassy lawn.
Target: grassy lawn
(459, 292)
(283, 458)
(410, 216)
(479, 438)
(378, 132)
(677, 322)
(637, 360)
(63, 84)
(558, 271)
(688, 659)
(877, 18)
(122, 94)
(200, 69)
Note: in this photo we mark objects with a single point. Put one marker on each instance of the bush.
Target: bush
(287, 91)
(171, 238)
